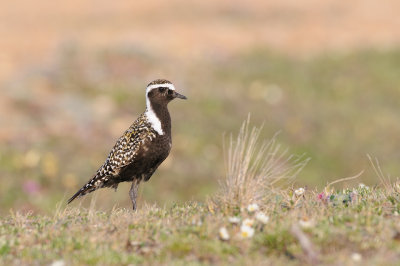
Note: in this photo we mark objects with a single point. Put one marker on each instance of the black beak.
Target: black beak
(180, 96)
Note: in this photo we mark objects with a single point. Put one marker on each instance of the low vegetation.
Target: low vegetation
(277, 226)
(354, 225)
(335, 108)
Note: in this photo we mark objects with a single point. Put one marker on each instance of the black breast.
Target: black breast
(149, 156)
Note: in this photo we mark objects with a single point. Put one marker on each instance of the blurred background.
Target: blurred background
(325, 74)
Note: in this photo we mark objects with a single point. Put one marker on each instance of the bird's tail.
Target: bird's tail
(77, 194)
(89, 187)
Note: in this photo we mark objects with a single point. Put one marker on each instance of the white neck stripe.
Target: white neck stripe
(165, 85)
(153, 119)
(151, 115)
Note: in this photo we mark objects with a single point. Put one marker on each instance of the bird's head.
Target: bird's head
(162, 91)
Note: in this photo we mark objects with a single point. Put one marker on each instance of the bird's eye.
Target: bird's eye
(162, 89)
(169, 92)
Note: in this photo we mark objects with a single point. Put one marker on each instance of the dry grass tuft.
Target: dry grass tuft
(253, 167)
(385, 180)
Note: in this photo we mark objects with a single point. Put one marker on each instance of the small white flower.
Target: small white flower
(306, 223)
(248, 222)
(361, 185)
(58, 263)
(356, 257)
(234, 220)
(196, 222)
(246, 231)
(260, 216)
(299, 191)
(253, 207)
(223, 234)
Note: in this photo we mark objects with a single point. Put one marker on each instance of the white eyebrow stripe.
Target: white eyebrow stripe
(166, 85)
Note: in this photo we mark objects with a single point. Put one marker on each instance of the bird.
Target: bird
(138, 153)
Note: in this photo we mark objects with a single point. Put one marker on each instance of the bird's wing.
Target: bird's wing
(126, 149)
(122, 154)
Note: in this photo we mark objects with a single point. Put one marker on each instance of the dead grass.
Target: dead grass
(254, 167)
(346, 227)
(283, 226)
(384, 179)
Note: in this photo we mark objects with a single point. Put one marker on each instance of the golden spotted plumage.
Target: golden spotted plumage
(122, 154)
(142, 148)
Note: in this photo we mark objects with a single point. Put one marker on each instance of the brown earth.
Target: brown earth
(32, 31)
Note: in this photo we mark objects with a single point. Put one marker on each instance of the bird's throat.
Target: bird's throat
(159, 118)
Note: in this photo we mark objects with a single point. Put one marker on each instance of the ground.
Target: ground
(356, 226)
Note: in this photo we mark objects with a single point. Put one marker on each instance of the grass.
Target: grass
(334, 108)
(346, 226)
(343, 225)
(254, 167)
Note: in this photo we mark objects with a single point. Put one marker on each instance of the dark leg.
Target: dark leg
(133, 192)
